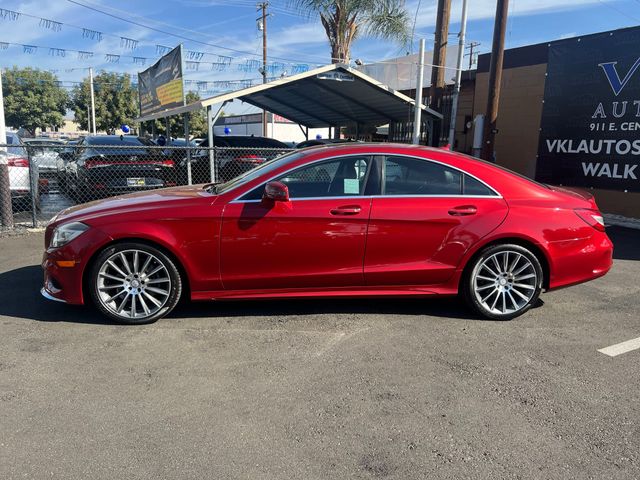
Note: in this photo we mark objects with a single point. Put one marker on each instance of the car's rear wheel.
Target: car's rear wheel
(135, 283)
(503, 282)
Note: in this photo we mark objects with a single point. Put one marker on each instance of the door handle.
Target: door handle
(463, 210)
(346, 210)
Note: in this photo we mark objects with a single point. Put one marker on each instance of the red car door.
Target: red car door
(425, 219)
(316, 239)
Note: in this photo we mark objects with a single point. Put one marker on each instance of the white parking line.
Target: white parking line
(620, 348)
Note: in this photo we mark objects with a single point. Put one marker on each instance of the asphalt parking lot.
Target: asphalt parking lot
(400, 389)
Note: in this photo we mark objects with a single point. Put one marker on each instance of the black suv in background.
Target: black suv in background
(237, 155)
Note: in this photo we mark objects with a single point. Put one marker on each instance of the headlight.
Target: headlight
(63, 234)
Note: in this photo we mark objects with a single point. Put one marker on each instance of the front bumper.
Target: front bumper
(62, 282)
(48, 296)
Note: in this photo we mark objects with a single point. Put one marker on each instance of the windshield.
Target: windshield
(266, 167)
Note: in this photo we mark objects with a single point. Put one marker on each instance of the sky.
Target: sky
(224, 37)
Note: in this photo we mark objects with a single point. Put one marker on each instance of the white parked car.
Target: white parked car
(19, 181)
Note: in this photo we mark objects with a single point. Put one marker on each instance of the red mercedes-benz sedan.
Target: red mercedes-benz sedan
(352, 220)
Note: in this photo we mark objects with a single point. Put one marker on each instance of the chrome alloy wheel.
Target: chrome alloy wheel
(505, 282)
(133, 284)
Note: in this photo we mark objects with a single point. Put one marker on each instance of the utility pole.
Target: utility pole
(456, 88)
(439, 61)
(263, 26)
(495, 77)
(93, 101)
(472, 46)
(417, 110)
(6, 213)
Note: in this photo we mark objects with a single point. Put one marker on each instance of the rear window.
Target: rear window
(248, 142)
(110, 143)
(113, 140)
(13, 139)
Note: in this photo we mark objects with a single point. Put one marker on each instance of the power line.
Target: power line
(164, 32)
(606, 4)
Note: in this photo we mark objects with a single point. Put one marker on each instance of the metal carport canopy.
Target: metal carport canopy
(334, 95)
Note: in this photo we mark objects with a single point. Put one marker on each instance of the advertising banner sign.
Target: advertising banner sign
(160, 86)
(590, 128)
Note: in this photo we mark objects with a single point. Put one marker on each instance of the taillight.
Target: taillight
(591, 217)
(96, 163)
(251, 159)
(103, 163)
(18, 162)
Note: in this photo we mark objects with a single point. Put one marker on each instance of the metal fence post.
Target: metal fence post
(6, 213)
(33, 184)
(186, 137)
(212, 164)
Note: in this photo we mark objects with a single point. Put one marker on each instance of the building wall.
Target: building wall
(466, 113)
(519, 116)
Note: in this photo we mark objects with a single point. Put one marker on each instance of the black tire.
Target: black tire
(173, 285)
(511, 295)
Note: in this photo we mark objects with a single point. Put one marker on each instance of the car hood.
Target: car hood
(160, 198)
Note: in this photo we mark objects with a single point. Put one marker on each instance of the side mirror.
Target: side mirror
(276, 192)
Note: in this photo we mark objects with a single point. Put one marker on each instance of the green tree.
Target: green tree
(197, 121)
(116, 101)
(346, 20)
(33, 99)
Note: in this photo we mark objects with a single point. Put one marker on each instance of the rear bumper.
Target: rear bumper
(580, 260)
(107, 181)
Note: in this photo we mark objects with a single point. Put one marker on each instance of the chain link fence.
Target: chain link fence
(38, 181)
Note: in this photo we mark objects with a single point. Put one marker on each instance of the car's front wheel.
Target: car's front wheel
(135, 283)
(503, 282)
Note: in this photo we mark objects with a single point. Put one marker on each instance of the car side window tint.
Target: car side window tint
(414, 176)
(345, 176)
(339, 177)
(475, 187)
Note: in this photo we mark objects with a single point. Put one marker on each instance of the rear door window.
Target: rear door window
(414, 176)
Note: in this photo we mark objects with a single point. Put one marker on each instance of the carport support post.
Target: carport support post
(211, 119)
(212, 153)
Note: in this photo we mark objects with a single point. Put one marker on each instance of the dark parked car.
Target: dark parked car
(103, 166)
(242, 153)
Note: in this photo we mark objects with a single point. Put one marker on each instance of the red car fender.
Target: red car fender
(499, 237)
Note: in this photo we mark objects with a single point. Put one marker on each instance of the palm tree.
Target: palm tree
(346, 20)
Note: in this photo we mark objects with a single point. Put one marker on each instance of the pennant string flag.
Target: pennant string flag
(92, 34)
(9, 14)
(50, 24)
